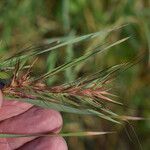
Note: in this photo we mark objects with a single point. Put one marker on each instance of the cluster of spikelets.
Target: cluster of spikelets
(86, 95)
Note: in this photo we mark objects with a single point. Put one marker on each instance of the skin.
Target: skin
(22, 118)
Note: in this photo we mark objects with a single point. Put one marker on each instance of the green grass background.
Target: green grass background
(26, 22)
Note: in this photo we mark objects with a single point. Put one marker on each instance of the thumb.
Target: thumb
(1, 98)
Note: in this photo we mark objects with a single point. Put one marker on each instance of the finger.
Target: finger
(46, 143)
(35, 120)
(13, 108)
(4, 145)
(1, 98)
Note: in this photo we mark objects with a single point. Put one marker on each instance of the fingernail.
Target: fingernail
(1, 98)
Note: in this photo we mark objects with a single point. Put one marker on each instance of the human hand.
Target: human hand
(23, 118)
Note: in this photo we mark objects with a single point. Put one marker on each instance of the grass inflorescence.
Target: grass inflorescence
(88, 95)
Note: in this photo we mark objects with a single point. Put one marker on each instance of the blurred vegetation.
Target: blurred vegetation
(26, 22)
